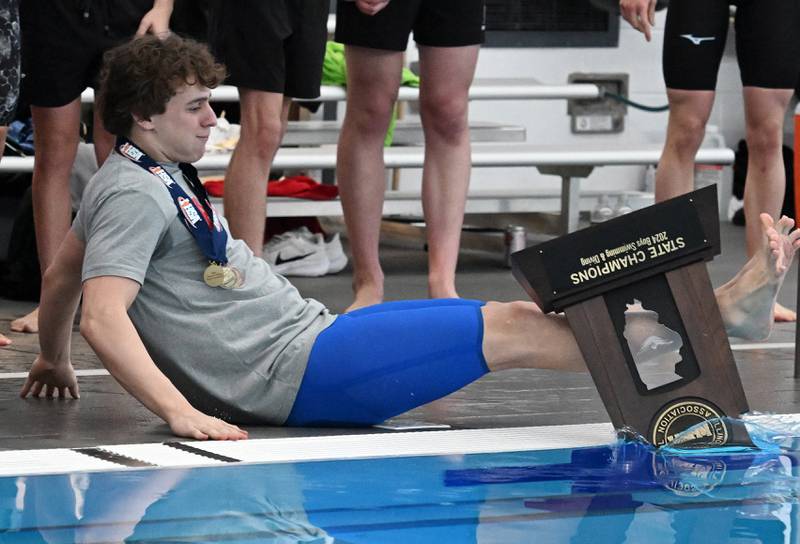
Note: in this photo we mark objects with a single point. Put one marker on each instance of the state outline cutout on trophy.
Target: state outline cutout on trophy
(655, 348)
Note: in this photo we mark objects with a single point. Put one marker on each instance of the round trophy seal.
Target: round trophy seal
(681, 414)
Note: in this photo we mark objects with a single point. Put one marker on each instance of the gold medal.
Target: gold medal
(229, 279)
(234, 279)
(214, 275)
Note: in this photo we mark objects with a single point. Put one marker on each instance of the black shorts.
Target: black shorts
(271, 45)
(436, 23)
(767, 43)
(63, 42)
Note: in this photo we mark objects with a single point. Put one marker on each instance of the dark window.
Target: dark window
(550, 23)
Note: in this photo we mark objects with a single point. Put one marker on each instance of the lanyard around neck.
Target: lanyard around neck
(198, 215)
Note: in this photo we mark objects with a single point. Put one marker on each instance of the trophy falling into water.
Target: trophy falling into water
(639, 300)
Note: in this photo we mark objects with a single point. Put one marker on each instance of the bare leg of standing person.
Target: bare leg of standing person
(56, 137)
(373, 78)
(264, 118)
(688, 115)
(446, 75)
(765, 185)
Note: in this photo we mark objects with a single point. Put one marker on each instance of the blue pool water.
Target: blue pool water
(626, 492)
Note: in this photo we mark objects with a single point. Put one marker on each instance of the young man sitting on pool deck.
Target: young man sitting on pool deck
(203, 333)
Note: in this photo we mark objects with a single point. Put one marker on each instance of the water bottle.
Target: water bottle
(516, 239)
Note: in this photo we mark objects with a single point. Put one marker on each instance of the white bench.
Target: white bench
(570, 165)
(316, 133)
(481, 89)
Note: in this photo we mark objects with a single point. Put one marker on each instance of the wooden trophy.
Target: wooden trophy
(637, 295)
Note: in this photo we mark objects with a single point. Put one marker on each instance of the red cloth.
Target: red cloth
(294, 186)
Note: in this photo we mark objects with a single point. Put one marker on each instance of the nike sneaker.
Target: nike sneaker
(333, 247)
(292, 253)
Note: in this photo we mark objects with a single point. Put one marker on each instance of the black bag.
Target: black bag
(20, 278)
(740, 175)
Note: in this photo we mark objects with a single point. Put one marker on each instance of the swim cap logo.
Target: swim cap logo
(682, 414)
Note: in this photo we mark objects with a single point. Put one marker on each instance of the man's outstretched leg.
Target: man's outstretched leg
(420, 351)
(747, 300)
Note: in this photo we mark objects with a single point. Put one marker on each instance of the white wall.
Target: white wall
(547, 121)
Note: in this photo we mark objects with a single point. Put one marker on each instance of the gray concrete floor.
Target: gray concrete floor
(106, 414)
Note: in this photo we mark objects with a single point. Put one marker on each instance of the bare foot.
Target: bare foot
(442, 291)
(365, 295)
(441, 285)
(747, 301)
(782, 314)
(29, 323)
(4, 341)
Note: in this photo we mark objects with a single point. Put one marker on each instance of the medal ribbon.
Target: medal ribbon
(197, 214)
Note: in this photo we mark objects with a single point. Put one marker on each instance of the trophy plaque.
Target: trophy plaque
(637, 295)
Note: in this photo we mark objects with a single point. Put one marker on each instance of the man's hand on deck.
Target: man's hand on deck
(195, 424)
(51, 378)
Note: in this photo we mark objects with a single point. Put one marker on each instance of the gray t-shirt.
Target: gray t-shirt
(237, 354)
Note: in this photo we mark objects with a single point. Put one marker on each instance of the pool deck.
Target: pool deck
(107, 415)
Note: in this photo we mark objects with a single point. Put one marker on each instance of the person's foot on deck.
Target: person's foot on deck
(366, 294)
(441, 289)
(28, 323)
(5, 341)
(782, 314)
(747, 301)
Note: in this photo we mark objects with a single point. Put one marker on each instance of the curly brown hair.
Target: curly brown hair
(139, 77)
